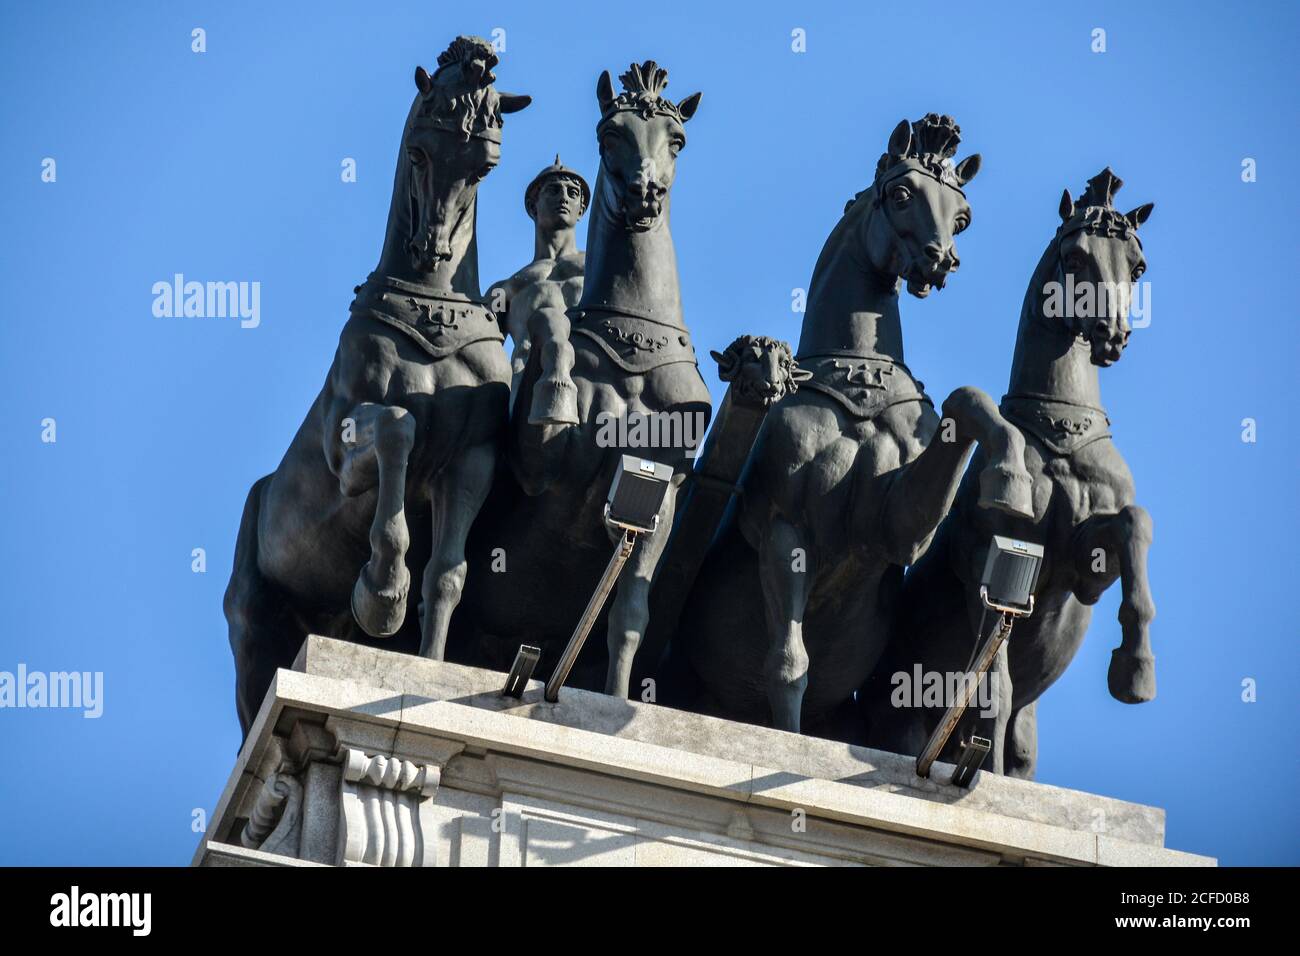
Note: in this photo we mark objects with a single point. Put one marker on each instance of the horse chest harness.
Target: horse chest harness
(440, 323)
(634, 343)
(1063, 427)
(863, 385)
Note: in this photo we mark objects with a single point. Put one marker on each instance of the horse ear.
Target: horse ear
(968, 168)
(514, 102)
(423, 80)
(726, 362)
(900, 139)
(605, 92)
(688, 106)
(1067, 205)
(1140, 215)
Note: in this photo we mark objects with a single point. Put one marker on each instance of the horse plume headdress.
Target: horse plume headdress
(1095, 211)
(459, 96)
(643, 94)
(930, 148)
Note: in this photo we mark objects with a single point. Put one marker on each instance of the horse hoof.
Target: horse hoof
(378, 613)
(554, 403)
(1007, 490)
(1131, 678)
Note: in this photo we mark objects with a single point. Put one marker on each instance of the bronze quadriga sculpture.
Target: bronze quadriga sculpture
(1084, 511)
(781, 589)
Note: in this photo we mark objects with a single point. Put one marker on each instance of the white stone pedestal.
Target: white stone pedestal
(365, 757)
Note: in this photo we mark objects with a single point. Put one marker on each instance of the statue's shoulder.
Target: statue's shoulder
(571, 265)
(552, 270)
(536, 271)
(521, 279)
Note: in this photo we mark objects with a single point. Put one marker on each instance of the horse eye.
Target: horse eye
(415, 156)
(900, 194)
(1138, 270)
(961, 224)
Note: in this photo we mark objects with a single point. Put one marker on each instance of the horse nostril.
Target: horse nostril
(934, 251)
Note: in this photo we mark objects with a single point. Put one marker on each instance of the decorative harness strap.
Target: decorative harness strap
(864, 385)
(441, 323)
(1063, 427)
(634, 343)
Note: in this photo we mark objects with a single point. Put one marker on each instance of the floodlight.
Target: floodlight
(1006, 587)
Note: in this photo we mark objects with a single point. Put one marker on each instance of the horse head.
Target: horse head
(760, 370)
(908, 219)
(640, 133)
(1098, 253)
(452, 140)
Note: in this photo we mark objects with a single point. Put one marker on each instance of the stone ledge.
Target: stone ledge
(648, 784)
(711, 736)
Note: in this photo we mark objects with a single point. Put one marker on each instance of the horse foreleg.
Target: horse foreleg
(629, 612)
(999, 698)
(1022, 742)
(458, 493)
(786, 576)
(921, 492)
(373, 453)
(1127, 534)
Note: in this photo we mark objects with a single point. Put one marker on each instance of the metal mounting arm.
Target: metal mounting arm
(616, 561)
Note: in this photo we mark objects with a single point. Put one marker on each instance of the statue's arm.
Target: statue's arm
(498, 298)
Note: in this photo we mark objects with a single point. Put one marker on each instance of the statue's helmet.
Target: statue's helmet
(556, 170)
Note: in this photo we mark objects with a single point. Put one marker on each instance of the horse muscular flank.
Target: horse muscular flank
(397, 453)
(623, 352)
(1084, 513)
(845, 486)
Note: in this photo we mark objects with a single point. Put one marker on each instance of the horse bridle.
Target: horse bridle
(881, 187)
(1093, 228)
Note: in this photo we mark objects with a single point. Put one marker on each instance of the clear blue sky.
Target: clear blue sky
(226, 166)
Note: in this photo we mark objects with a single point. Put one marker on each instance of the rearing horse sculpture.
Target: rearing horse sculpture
(1074, 320)
(409, 419)
(848, 478)
(624, 363)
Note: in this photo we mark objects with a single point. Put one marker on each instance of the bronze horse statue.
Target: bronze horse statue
(851, 474)
(623, 354)
(1084, 514)
(409, 420)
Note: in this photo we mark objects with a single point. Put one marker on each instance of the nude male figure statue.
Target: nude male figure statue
(555, 200)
